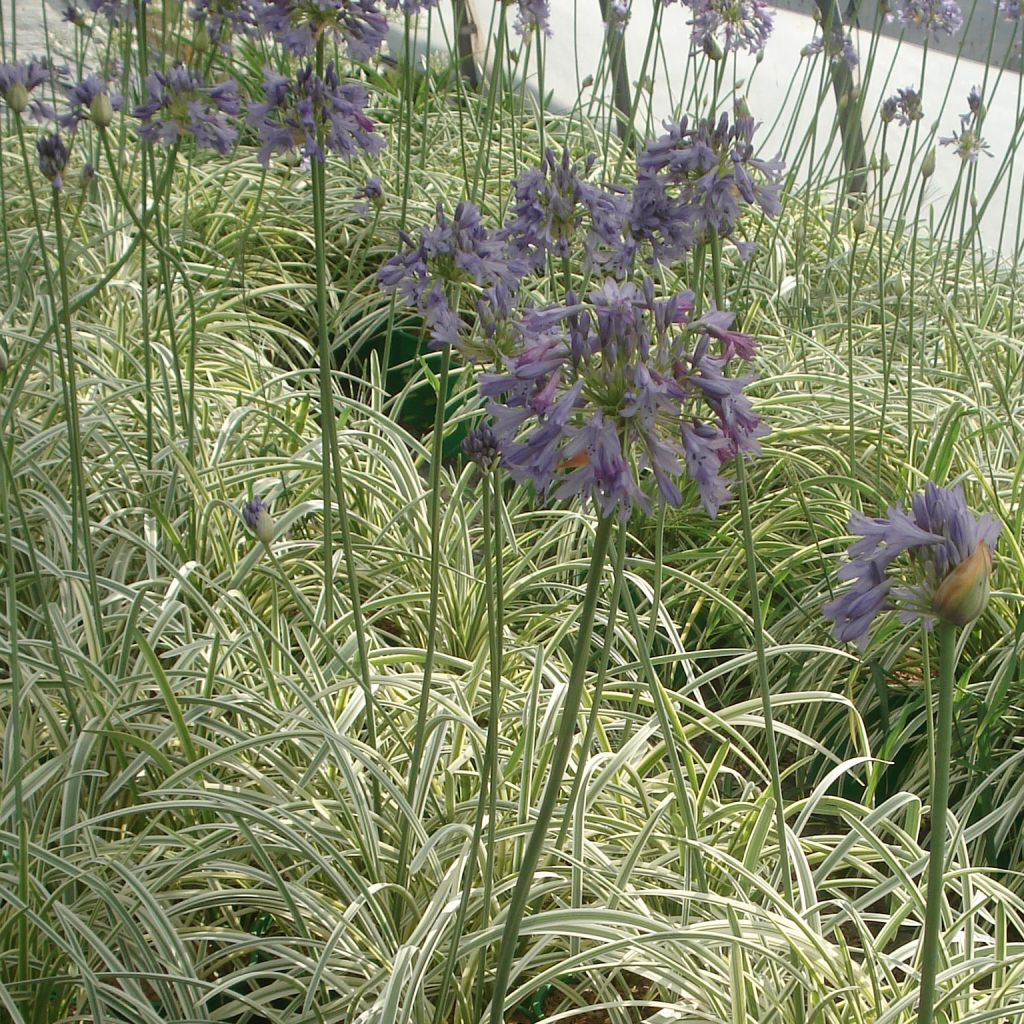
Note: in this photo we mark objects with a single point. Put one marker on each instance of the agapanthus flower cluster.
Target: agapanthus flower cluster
(617, 18)
(224, 19)
(935, 16)
(836, 45)
(549, 206)
(613, 398)
(1010, 9)
(180, 104)
(115, 11)
(53, 158)
(299, 24)
(947, 578)
(90, 100)
(296, 112)
(904, 107)
(968, 143)
(533, 14)
(449, 255)
(481, 447)
(17, 82)
(693, 182)
(737, 24)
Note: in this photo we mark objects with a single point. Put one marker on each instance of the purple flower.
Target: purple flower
(115, 11)
(716, 324)
(533, 14)
(741, 24)
(90, 99)
(968, 143)
(410, 8)
(223, 19)
(905, 107)
(619, 12)
(293, 113)
(602, 399)
(179, 104)
(53, 158)
(1010, 9)
(450, 254)
(935, 16)
(705, 447)
(550, 205)
(16, 84)
(837, 46)
(692, 182)
(298, 24)
(950, 560)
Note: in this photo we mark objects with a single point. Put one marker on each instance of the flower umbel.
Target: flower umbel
(968, 143)
(950, 560)
(179, 104)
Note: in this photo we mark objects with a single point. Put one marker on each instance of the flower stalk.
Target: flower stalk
(940, 803)
(559, 762)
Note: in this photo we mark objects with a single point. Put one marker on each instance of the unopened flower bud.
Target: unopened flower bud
(963, 594)
(17, 98)
(259, 520)
(860, 222)
(712, 48)
(928, 164)
(202, 41)
(741, 108)
(53, 158)
(587, 82)
(899, 286)
(101, 110)
(481, 446)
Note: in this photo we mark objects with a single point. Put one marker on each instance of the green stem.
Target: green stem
(79, 499)
(430, 649)
(330, 457)
(553, 785)
(940, 804)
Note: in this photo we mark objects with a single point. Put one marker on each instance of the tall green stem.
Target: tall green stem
(553, 785)
(330, 457)
(940, 804)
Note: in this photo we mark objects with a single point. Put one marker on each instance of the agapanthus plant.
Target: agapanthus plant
(180, 104)
(18, 81)
(904, 107)
(737, 24)
(552, 203)
(693, 182)
(224, 19)
(608, 399)
(968, 143)
(836, 45)
(946, 574)
(300, 113)
(533, 14)
(53, 158)
(935, 16)
(449, 255)
(90, 100)
(298, 24)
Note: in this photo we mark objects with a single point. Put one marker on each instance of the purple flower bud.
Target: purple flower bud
(53, 158)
